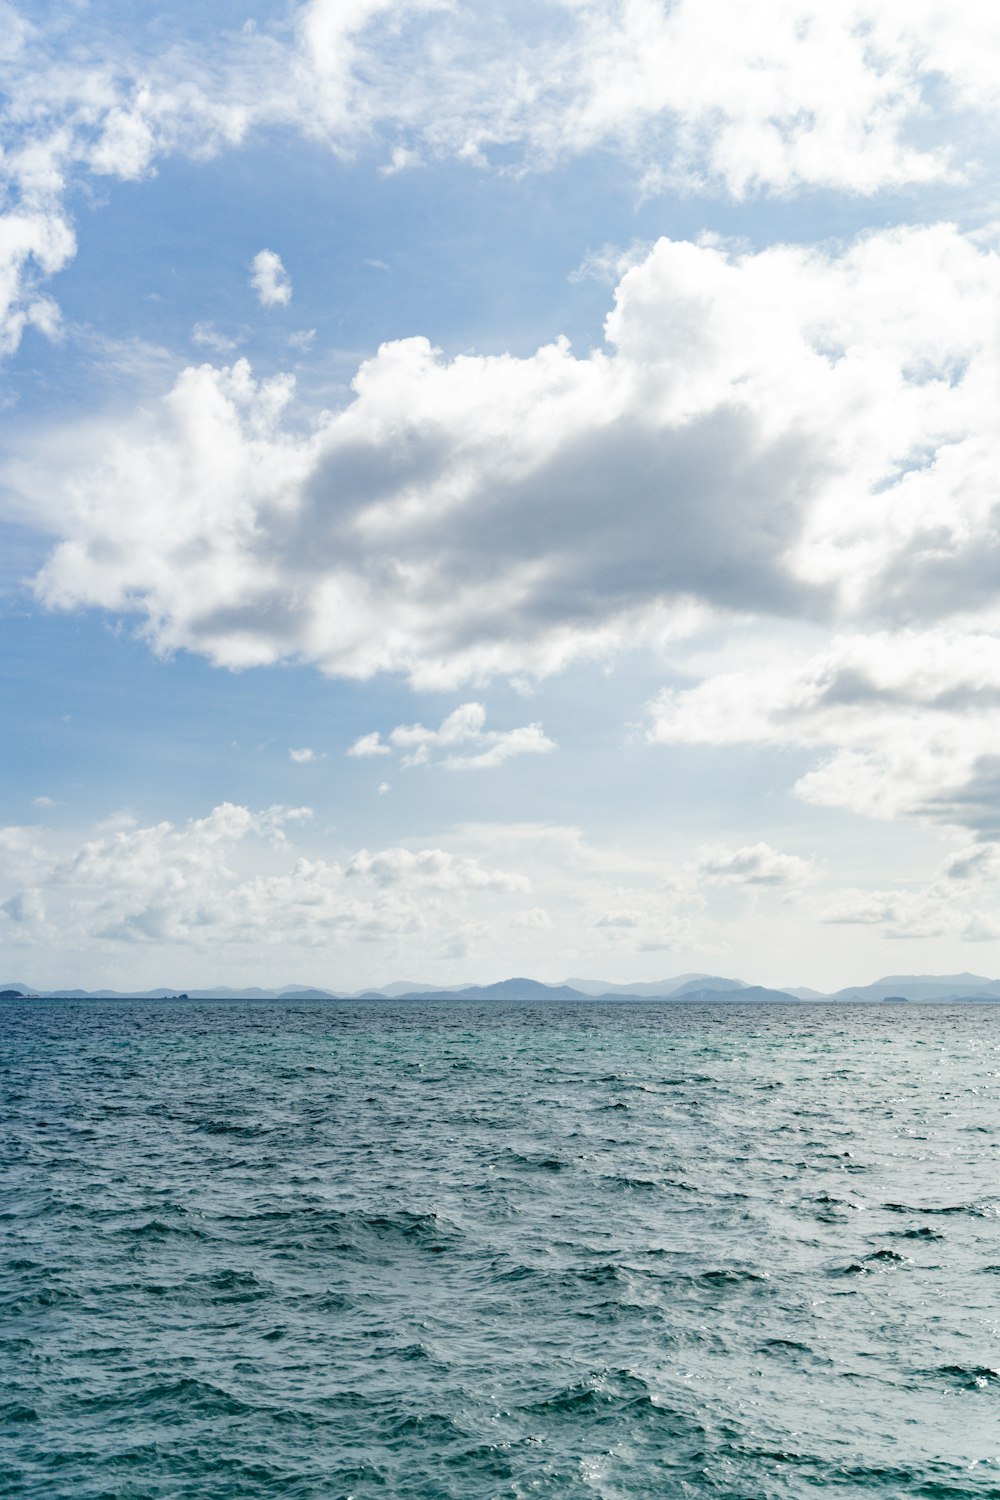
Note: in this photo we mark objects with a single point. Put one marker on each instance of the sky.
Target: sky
(499, 488)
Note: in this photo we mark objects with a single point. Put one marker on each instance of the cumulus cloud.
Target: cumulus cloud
(20, 842)
(103, 111)
(240, 882)
(978, 862)
(736, 95)
(943, 907)
(368, 745)
(270, 280)
(794, 432)
(754, 864)
(433, 867)
(234, 877)
(500, 747)
(623, 917)
(303, 756)
(731, 96)
(467, 743)
(910, 719)
(904, 915)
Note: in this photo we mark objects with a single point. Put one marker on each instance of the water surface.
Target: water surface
(459, 1251)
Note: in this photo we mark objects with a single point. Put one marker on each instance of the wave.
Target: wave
(625, 1183)
(536, 1161)
(229, 1127)
(727, 1277)
(977, 1210)
(451, 1282)
(606, 1393)
(304, 1228)
(160, 1229)
(178, 1400)
(878, 1260)
(970, 1377)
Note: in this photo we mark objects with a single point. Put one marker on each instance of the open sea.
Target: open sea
(456, 1251)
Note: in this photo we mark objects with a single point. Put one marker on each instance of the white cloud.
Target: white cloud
(501, 747)
(658, 907)
(402, 159)
(116, 822)
(482, 748)
(270, 280)
(861, 908)
(978, 862)
(36, 241)
(532, 917)
(754, 864)
(734, 95)
(981, 927)
(731, 96)
(462, 725)
(792, 432)
(368, 745)
(940, 908)
(26, 909)
(304, 756)
(98, 109)
(20, 842)
(900, 914)
(234, 877)
(126, 144)
(911, 719)
(634, 930)
(623, 917)
(244, 890)
(432, 867)
(207, 336)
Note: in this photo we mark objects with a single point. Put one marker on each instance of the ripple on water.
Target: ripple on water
(500, 1252)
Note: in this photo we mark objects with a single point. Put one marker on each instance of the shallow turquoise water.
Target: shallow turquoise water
(435, 1251)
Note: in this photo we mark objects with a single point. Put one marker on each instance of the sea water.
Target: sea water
(461, 1250)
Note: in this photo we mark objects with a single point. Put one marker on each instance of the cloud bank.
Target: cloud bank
(213, 889)
(793, 434)
(798, 435)
(232, 878)
(802, 439)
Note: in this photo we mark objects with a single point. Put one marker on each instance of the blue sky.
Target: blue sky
(572, 548)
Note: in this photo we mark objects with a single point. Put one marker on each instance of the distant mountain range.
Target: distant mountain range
(690, 988)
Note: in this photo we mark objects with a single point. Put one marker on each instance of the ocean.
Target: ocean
(456, 1251)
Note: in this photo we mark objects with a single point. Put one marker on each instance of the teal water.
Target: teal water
(453, 1250)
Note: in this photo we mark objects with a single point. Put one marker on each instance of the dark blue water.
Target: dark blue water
(411, 1250)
